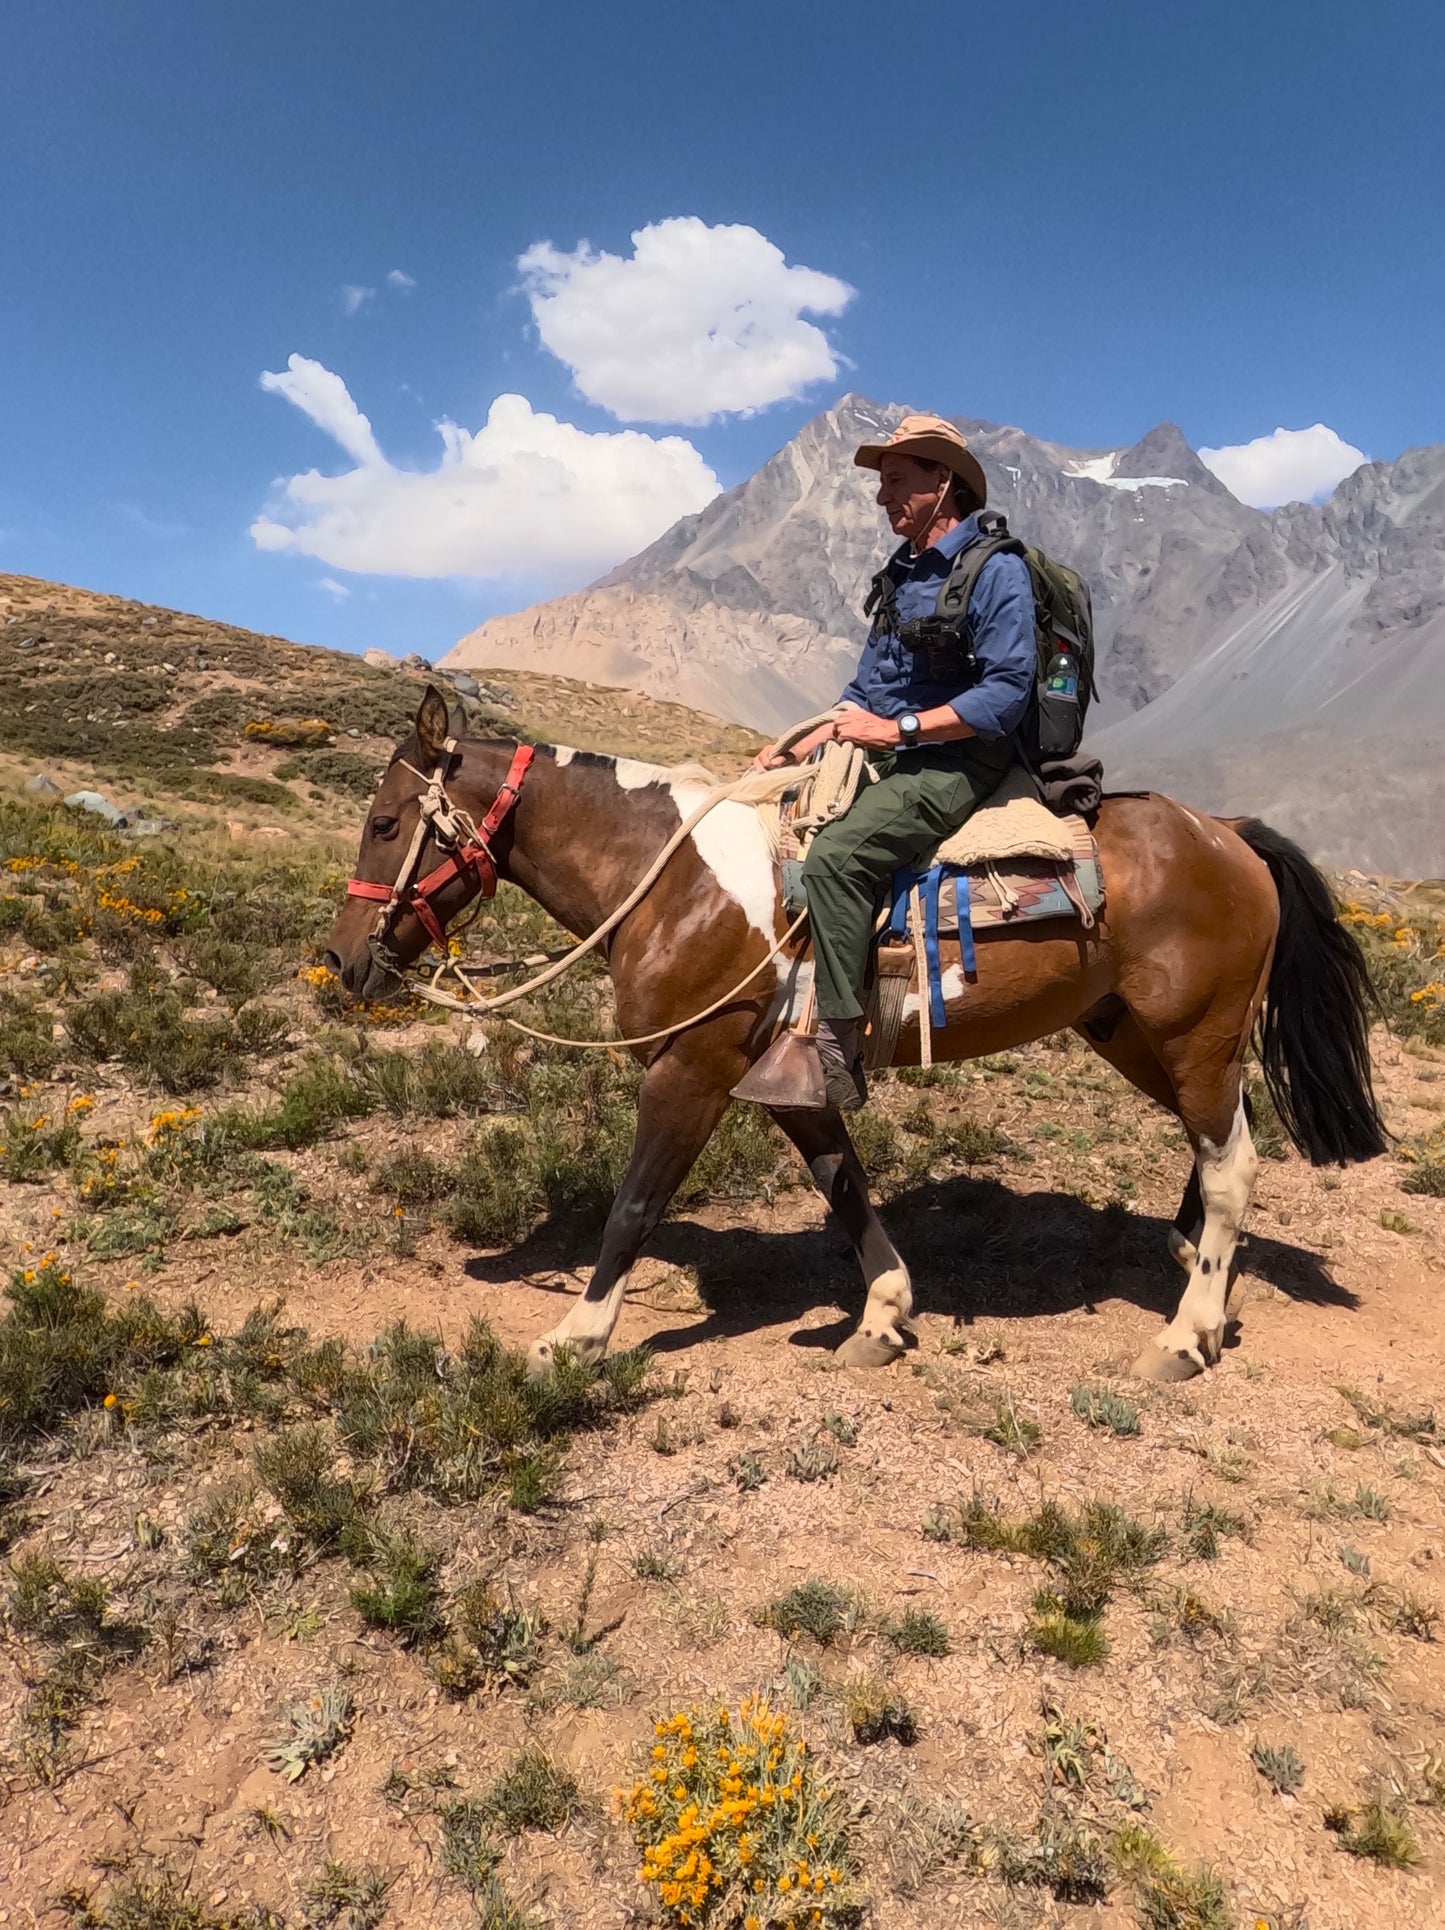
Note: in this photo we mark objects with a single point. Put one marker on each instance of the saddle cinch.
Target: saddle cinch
(1013, 862)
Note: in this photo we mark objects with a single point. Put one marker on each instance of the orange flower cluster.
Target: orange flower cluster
(733, 1826)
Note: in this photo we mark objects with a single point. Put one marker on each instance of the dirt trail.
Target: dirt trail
(743, 1305)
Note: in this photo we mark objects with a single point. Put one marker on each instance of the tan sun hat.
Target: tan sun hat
(931, 439)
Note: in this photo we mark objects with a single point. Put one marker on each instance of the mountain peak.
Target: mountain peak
(1165, 451)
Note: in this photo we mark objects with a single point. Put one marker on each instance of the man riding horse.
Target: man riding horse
(940, 734)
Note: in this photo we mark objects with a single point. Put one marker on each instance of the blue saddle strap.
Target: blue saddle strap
(963, 903)
(898, 916)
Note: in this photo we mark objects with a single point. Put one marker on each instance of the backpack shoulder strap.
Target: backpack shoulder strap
(993, 539)
(883, 590)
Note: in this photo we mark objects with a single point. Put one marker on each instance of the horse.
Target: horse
(1215, 933)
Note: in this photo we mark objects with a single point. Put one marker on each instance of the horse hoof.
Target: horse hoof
(1166, 1363)
(869, 1350)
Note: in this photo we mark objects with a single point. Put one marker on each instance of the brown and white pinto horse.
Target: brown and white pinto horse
(1211, 928)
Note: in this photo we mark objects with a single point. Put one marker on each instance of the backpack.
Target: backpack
(1063, 631)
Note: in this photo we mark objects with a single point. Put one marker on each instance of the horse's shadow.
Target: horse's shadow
(975, 1249)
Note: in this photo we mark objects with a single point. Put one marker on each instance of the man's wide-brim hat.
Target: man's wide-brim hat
(929, 438)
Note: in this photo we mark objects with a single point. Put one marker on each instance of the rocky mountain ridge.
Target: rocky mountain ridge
(1296, 656)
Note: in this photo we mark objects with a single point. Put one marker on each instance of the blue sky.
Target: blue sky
(1083, 219)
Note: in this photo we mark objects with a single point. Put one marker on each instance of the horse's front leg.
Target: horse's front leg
(684, 1094)
(882, 1334)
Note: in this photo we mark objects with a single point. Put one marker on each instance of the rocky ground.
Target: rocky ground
(366, 1632)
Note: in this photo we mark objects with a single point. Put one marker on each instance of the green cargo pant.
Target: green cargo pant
(920, 798)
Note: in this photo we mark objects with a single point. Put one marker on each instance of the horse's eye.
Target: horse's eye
(383, 827)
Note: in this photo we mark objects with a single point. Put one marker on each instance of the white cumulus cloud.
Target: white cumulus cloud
(354, 297)
(316, 392)
(333, 588)
(399, 278)
(696, 322)
(525, 494)
(1290, 466)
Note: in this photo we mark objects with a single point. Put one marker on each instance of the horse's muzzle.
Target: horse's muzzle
(363, 976)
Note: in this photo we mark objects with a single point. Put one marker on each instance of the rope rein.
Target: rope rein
(477, 1007)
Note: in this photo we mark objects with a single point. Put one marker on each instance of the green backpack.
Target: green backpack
(1063, 632)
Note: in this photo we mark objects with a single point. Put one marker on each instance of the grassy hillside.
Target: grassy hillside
(159, 705)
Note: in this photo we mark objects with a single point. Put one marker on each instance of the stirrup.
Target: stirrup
(788, 1076)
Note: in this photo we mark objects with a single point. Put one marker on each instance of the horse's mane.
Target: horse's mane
(687, 773)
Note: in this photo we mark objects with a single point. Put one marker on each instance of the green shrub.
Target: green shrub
(498, 1198)
(460, 1425)
(531, 1793)
(296, 1465)
(33, 1142)
(822, 1610)
(1426, 1177)
(917, 1632)
(1379, 1832)
(401, 1594)
(27, 1046)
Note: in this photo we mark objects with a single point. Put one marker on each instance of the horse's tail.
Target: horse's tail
(1314, 1030)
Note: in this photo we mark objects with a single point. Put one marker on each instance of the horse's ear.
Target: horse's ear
(433, 723)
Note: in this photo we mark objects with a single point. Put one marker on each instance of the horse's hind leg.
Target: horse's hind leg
(1123, 1046)
(822, 1139)
(684, 1095)
(1215, 1116)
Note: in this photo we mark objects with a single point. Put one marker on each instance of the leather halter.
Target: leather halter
(468, 845)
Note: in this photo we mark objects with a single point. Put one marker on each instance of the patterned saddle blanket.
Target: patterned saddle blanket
(1012, 862)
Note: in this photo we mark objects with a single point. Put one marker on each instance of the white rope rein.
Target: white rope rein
(752, 787)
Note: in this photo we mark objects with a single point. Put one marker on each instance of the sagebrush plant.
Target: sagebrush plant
(1102, 1407)
(317, 1729)
(738, 1827)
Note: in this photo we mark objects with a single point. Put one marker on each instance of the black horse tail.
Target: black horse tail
(1314, 1031)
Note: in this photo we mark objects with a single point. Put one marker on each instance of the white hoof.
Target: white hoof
(539, 1357)
(1168, 1363)
(879, 1349)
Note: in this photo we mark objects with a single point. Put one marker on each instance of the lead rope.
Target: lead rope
(476, 1007)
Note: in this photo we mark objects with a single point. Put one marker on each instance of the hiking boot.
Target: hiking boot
(840, 1051)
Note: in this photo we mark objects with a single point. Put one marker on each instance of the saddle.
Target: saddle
(1013, 862)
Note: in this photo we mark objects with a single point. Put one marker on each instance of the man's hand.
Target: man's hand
(773, 757)
(862, 727)
(770, 758)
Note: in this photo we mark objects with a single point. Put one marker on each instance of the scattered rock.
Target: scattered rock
(169, 669)
(203, 663)
(464, 684)
(379, 659)
(42, 786)
(100, 806)
(146, 623)
(353, 732)
(27, 643)
(109, 656)
(413, 660)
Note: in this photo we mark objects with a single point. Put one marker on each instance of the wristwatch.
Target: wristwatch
(908, 729)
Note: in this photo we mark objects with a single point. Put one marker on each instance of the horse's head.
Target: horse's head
(421, 859)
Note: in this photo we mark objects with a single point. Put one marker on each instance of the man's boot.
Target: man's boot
(840, 1050)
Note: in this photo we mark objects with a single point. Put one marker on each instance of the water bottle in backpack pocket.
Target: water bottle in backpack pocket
(1061, 721)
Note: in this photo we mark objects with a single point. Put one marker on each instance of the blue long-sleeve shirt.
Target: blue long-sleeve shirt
(891, 679)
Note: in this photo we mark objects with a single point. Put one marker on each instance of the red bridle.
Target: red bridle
(469, 846)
